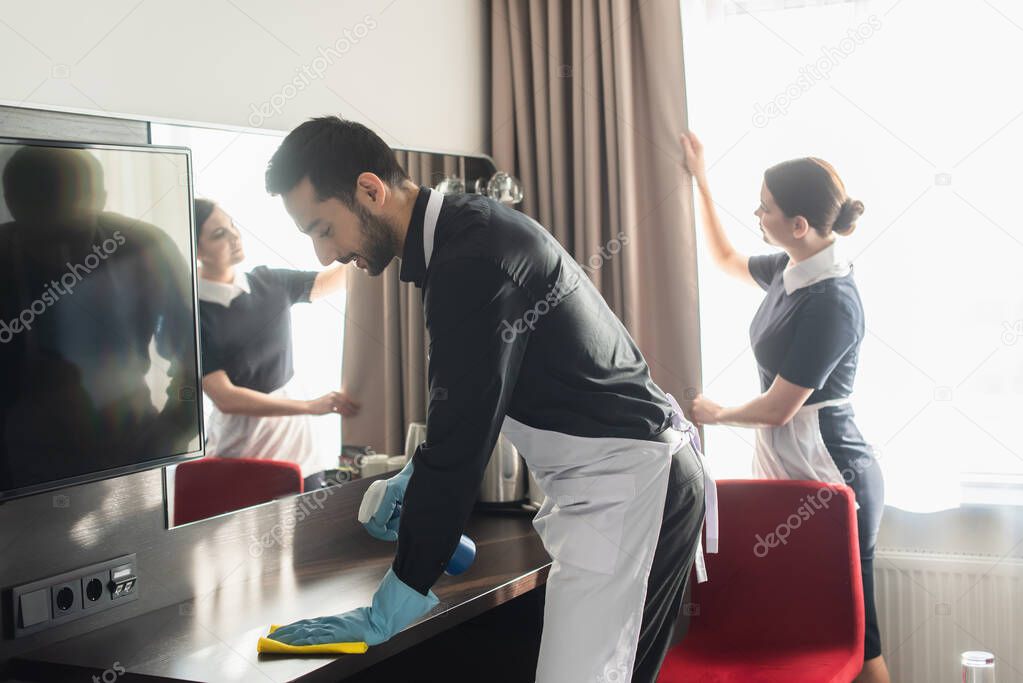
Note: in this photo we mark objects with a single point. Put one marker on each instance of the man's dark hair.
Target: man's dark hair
(332, 152)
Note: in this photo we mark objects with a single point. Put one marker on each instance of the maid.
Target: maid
(245, 325)
(806, 339)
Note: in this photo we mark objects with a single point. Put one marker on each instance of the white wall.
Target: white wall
(414, 71)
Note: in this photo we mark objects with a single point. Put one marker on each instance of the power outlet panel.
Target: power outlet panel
(56, 600)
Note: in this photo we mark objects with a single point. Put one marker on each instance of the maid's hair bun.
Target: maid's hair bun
(850, 211)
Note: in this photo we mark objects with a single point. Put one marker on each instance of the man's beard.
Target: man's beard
(380, 245)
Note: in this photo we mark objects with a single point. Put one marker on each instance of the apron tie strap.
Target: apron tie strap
(710, 490)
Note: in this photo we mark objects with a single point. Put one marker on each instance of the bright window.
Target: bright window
(228, 168)
(909, 100)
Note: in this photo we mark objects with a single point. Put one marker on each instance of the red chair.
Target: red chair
(785, 598)
(212, 486)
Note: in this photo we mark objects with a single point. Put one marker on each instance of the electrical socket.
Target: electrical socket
(55, 600)
(66, 598)
(96, 589)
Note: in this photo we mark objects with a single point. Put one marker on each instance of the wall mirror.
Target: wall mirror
(259, 460)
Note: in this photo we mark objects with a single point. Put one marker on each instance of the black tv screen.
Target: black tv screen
(98, 330)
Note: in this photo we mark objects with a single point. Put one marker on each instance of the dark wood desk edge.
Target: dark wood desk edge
(416, 634)
(334, 667)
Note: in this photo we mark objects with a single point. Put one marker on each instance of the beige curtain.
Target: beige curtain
(588, 99)
(384, 357)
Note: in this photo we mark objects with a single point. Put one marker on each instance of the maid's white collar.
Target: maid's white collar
(823, 265)
(224, 293)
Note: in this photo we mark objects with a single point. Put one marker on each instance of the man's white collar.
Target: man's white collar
(823, 265)
(224, 293)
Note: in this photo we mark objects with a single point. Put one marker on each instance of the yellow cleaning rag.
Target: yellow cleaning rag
(269, 645)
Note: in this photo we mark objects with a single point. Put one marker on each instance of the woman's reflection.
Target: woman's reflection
(245, 323)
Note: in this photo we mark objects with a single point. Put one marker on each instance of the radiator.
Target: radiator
(933, 607)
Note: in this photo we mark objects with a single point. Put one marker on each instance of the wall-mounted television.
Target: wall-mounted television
(99, 372)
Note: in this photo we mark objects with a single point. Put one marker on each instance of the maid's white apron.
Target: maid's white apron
(287, 437)
(796, 450)
(599, 522)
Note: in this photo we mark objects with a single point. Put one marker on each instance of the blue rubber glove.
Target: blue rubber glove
(385, 515)
(395, 606)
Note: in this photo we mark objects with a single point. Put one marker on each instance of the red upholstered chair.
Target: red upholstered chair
(211, 486)
(791, 612)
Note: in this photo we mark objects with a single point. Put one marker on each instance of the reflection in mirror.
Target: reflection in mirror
(272, 325)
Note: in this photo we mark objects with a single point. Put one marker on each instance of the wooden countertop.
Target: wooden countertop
(214, 639)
